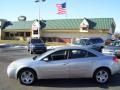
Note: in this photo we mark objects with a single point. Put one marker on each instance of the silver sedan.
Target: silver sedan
(65, 62)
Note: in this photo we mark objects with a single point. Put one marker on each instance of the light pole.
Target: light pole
(39, 7)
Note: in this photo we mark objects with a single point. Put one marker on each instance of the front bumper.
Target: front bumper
(11, 72)
(39, 49)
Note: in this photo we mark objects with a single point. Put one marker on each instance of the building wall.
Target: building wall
(0, 34)
(61, 35)
(77, 34)
(16, 34)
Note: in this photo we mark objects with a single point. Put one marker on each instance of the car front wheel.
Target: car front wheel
(27, 77)
(31, 52)
(102, 76)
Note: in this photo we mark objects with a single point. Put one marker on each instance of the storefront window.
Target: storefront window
(11, 34)
(16, 34)
(35, 31)
(21, 33)
(27, 34)
(7, 34)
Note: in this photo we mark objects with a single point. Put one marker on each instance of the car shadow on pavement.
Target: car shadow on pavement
(73, 83)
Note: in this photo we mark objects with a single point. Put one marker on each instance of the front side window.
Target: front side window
(97, 40)
(58, 55)
(35, 31)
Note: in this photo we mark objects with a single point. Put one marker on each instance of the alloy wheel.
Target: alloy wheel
(102, 76)
(27, 77)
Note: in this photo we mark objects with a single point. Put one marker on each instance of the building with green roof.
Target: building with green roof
(58, 29)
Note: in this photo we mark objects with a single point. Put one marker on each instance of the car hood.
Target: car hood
(21, 62)
(77, 45)
(38, 44)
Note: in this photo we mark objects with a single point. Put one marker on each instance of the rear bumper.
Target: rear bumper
(115, 69)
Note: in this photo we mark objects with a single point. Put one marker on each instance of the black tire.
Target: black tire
(102, 75)
(28, 50)
(100, 50)
(27, 76)
(31, 52)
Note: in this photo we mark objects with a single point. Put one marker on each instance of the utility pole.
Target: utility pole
(39, 9)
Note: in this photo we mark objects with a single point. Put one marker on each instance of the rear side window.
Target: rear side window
(91, 55)
(78, 53)
(100, 40)
(59, 55)
(97, 40)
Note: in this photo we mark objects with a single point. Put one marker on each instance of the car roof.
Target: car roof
(78, 47)
(91, 38)
(69, 47)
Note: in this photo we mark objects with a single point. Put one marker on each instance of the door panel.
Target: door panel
(56, 66)
(54, 69)
(81, 63)
(80, 67)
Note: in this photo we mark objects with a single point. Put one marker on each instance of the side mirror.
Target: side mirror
(46, 59)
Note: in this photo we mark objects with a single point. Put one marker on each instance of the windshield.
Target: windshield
(40, 57)
(36, 41)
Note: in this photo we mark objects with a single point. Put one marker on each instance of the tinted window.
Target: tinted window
(81, 54)
(36, 41)
(82, 42)
(91, 54)
(96, 40)
(59, 55)
(78, 54)
(99, 40)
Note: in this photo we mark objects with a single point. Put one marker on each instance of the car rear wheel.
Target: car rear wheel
(102, 76)
(28, 49)
(27, 77)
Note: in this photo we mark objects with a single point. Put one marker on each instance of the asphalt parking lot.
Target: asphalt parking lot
(8, 55)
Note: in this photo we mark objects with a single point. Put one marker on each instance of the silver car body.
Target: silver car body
(112, 49)
(95, 43)
(68, 68)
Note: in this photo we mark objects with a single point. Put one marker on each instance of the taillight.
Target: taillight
(115, 59)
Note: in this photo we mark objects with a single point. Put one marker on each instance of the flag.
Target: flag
(39, 0)
(36, 0)
(61, 8)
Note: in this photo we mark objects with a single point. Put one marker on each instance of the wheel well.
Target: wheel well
(101, 47)
(106, 68)
(26, 69)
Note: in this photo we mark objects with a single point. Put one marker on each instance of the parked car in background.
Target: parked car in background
(65, 62)
(36, 45)
(112, 49)
(95, 43)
